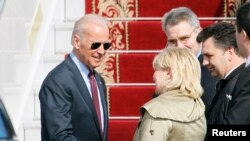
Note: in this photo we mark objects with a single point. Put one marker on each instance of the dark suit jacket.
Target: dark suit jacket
(67, 111)
(238, 109)
(208, 83)
(218, 108)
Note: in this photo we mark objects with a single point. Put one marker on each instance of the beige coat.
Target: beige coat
(172, 117)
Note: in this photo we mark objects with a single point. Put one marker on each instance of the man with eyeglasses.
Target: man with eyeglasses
(73, 95)
(181, 26)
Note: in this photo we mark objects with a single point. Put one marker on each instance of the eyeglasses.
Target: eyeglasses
(182, 39)
(96, 45)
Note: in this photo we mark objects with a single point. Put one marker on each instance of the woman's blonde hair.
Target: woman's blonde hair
(185, 70)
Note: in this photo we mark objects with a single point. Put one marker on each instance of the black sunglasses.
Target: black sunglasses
(96, 45)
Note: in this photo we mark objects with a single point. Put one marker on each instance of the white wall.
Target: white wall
(15, 22)
(15, 55)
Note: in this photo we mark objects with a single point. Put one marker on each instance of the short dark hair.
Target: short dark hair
(223, 34)
(243, 18)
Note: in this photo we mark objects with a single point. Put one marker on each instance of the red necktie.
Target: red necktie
(95, 96)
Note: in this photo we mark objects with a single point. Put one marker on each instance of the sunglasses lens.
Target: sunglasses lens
(106, 46)
(95, 45)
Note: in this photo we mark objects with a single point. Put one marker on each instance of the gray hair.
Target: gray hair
(80, 27)
(177, 15)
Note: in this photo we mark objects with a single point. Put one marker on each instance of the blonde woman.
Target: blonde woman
(177, 114)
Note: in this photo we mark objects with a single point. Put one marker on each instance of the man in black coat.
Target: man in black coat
(238, 109)
(221, 57)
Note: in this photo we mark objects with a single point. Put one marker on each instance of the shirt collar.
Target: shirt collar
(248, 61)
(82, 67)
(231, 71)
(198, 53)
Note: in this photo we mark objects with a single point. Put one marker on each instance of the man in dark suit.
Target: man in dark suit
(238, 109)
(221, 57)
(68, 98)
(181, 26)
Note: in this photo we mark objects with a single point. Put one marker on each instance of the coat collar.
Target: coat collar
(176, 106)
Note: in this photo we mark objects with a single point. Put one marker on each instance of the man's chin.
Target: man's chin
(214, 74)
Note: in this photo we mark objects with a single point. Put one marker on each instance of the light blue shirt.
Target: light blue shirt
(84, 72)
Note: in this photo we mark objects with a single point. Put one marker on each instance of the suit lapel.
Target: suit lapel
(227, 90)
(101, 86)
(236, 71)
(82, 87)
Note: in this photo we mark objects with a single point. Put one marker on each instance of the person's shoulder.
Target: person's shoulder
(247, 69)
(59, 72)
(243, 82)
(244, 73)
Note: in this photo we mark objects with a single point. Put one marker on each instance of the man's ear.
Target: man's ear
(198, 30)
(231, 52)
(244, 35)
(76, 41)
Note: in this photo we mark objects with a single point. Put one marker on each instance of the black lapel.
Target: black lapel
(236, 71)
(82, 87)
(230, 76)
